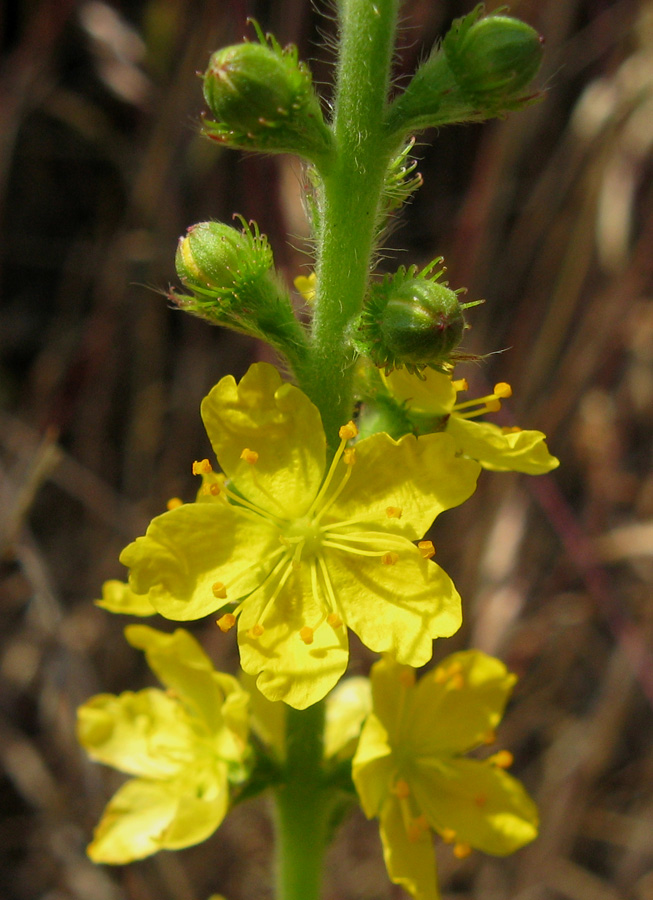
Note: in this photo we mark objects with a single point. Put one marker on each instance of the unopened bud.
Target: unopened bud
(263, 99)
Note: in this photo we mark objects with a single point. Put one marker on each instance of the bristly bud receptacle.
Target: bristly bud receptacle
(482, 69)
(262, 98)
(231, 280)
(412, 319)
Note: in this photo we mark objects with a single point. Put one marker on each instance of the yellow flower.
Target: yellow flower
(300, 552)
(183, 745)
(410, 772)
(433, 395)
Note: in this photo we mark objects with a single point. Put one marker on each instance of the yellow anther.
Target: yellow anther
(250, 456)
(416, 829)
(214, 490)
(426, 548)
(334, 620)
(457, 681)
(407, 677)
(219, 590)
(489, 737)
(461, 851)
(502, 760)
(226, 623)
(202, 467)
(401, 789)
(493, 406)
(448, 835)
(349, 456)
(510, 429)
(393, 512)
(460, 385)
(256, 631)
(348, 431)
(503, 389)
(307, 634)
(174, 502)
(480, 800)
(389, 558)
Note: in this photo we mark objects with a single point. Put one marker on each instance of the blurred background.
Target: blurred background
(547, 215)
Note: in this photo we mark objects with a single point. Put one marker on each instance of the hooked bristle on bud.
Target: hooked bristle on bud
(263, 99)
(412, 319)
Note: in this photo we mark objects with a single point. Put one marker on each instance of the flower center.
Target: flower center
(307, 533)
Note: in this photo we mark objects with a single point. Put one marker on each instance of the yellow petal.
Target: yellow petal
(410, 863)
(465, 696)
(298, 673)
(347, 706)
(184, 668)
(513, 451)
(187, 550)
(278, 422)
(144, 733)
(396, 609)
(118, 597)
(432, 393)
(487, 808)
(373, 766)
(420, 476)
(144, 817)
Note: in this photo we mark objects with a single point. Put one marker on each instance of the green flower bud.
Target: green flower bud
(494, 58)
(262, 98)
(218, 262)
(482, 69)
(412, 319)
(231, 280)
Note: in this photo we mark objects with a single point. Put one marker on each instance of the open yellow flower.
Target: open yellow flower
(183, 745)
(433, 395)
(409, 768)
(301, 552)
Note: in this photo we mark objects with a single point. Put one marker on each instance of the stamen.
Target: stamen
(361, 537)
(503, 389)
(219, 590)
(489, 737)
(256, 631)
(480, 800)
(460, 385)
(510, 429)
(334, 496)
(306, 634)
(401, 789)
(334, 620)
(389, 558)
(393, 512)
(348, 431)
(461, 851)
(331, 596)
(349, 456)
(202, 467)
(250, 456)
(426, 548)
(226, 622)
(174, 503)
(407, 677)
(336, 546)
(448, 835)
(417, 828)
(502, 760)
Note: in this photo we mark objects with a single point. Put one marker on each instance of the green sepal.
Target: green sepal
(262, 98)
(481, 70)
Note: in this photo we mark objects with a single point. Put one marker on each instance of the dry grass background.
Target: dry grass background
(549, 215)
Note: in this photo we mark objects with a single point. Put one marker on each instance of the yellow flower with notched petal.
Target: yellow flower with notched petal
(409, 768)
(434, 395)
(303, 552)
(183, 745)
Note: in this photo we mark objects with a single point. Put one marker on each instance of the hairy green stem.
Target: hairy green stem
(303, 806)
(349, 202)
